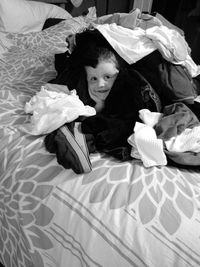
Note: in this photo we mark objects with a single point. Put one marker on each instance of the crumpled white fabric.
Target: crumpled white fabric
(169, 42)
(187, 141)
(51, 109)
(134, 44)
(130, 44)
(150, 118)
(146, 146)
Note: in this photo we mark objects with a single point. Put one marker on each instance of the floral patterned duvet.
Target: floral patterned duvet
(120, 214)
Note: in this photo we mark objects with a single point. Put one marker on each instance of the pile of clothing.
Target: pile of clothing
(173, 134)
(156, 94)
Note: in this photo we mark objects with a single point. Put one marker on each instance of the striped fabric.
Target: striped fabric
(78, 147)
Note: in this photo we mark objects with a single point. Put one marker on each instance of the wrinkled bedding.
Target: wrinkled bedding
(120, 214)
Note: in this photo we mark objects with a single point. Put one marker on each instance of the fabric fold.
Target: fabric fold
(51, 109)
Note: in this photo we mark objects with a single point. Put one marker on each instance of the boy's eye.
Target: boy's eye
(107, 77)
(93, 79)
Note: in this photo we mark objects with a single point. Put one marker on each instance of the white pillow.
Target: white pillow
(27, 16)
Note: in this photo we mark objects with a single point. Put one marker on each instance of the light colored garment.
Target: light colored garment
(127, 20)
(188, 140)
(146, 146)
(150, 118)
(134, 44)
(52, 109)
(131, 45)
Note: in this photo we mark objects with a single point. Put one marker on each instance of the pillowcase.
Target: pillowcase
(21, 16)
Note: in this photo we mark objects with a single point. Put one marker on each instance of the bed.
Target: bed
(119, 214)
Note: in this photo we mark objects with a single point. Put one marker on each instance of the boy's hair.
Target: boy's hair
(98, 54)
(91, 48)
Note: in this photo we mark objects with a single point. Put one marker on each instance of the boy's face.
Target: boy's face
(101, 79)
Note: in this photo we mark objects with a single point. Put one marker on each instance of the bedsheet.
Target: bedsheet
(120, 214)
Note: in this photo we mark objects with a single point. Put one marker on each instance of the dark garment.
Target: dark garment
(183, 160)
(173, 83)
(71, 147)
(176, 118)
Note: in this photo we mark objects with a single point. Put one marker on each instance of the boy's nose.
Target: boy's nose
(101, 82)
